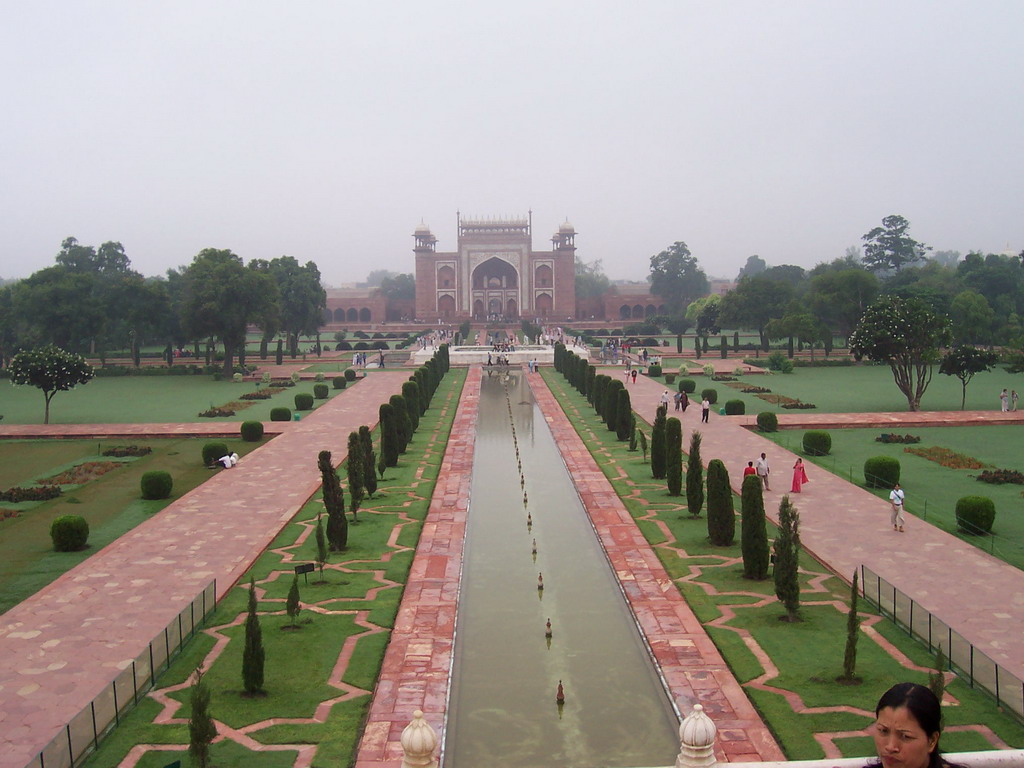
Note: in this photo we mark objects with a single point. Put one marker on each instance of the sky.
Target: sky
(328, 130)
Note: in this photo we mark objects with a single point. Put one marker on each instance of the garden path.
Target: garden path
(845, 526)
(64, 645)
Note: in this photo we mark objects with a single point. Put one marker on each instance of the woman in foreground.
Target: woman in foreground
(906, 730)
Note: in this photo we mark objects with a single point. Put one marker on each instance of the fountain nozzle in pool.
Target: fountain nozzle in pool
(547, 629)
(560, 695)
(540, 581)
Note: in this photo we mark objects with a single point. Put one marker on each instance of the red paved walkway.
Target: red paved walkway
(64, 645)
(979, 596)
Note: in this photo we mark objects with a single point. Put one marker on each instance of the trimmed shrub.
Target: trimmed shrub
(251, 431)
(674, 456)
(753, 531)
(670, 378)
(735, 408)
(319, 377)
(689, 386)
(767, 422)
(350, 374)
(157, 484)
(654, 370)
(711, 394)
(320, 391)
(721, 513)
(303, 401)
(237, 378)
(213, 451)
(280, 413)
(69, 533)
(975, 514)
(658, 443)
(817, 442)
(881, 472)
(339, 382)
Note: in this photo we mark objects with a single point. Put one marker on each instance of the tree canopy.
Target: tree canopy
(677, 277)
(964, 362)
(889, 247)
(754, 303)
(50, 369)
(591, 280)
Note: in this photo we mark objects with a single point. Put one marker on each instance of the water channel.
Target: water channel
(503, 709)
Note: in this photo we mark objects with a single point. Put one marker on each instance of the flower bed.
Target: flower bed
(946, 457)
(1002, 476)
(124, 451)
(39, 493)
(83, 473)
(885, 437)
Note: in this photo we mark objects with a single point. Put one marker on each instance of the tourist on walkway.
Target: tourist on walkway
(1004, 401)
(664, 399)
(633, 374)
(684, 401)
(1013, 399)
(677, 399)
(705, 409)
(749, 469)
(799, 476)
(763, 470)
(896, 498)
(908, 719)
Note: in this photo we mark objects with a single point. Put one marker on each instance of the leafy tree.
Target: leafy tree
(355, 465)
(302, 301)
(753, 530)
(221, 297)
(377, 276)
(906, 335)
(852, 634)
(253, 653)
(755, 265)
(704, 313)
(838, 298)
(398, 288)
(293, 604)
(753, 304)
(50, 369)
(677, 277)
(201, 728)
(60, 307)
(890, 248)
(694, 476)
(964, 363)
(787, 559)
(334, 502)
(798, 324)
(674, 456)
(591, 281)
(658, 447)
(721, 513)
(973, 318)
(623, 416)
(369, 461)
(389, 444)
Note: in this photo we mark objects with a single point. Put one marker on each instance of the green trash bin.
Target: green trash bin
(721, 412)
(296, 417)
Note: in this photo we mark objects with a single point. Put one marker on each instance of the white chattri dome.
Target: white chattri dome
(565, 226)
(422, 229)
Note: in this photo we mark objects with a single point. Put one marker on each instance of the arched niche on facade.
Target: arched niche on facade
(365, 315)
(446, 306)
(542, 276)
(544, 304)
(446, 277)
(495, 274)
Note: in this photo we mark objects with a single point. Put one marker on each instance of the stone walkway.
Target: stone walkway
(64, 645)
(845, 526)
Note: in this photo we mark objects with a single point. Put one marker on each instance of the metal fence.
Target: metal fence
(83, 734)
(970, 663)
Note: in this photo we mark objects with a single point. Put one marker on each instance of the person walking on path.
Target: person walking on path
(749, 469)
(1013, 399)
(684, 401)
(896, 497)
(677, 398)
(1004, 401)
(633, 375)
(799, 476)
(705, 409)
(763, 470)
(664, 399)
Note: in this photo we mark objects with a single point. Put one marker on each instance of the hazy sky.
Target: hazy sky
(328, 130)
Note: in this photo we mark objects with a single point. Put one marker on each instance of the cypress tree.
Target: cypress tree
(421, 381)
(937, 679)
(696, 346)
(334, 503)
(252, 654)
(201, 728)
(388, 436)
(658, 444)
(321, 547)
(632, 433)
(411, 393)
(591, 377)
(293, 605)
(643, 442)
(369, 461)
(721, 513)
(355, 466)
(402, 423)
(600, 382)
(787, 559)
(623, 416)
(724, 347)
(694, 476)
(611, 403)
(279, 354)
(674, 457)
(852, 633)
(753, 531)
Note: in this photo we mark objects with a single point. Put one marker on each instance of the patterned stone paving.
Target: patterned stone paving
(60, 648)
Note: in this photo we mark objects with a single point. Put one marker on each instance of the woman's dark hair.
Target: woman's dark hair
(925, 709)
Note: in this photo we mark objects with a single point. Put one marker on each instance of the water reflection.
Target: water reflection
(526, 565)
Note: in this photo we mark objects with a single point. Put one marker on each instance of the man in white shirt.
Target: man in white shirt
(896, 497)
(762, 469)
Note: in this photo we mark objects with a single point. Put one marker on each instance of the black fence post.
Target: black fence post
(117, 716)
(95, 735)
(135, 686)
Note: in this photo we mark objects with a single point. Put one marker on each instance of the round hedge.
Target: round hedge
(251, 431)
(319, 376)
(654, 370)
(303, 401)
(711, 394)
(689, 386)
(881, 472)
(339, 382)
(280, 413)
(767, 421)
(735, 408)
(320, 391)
(817, 442)
(213, 451)
(670, 378)
(350, 374)
(69, 533)
(157, 484)
(975, 514)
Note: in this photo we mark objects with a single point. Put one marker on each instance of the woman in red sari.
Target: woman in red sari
(799, 476)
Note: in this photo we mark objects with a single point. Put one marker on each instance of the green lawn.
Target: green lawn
(112, 504)
(808, 655)
(142, 400)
